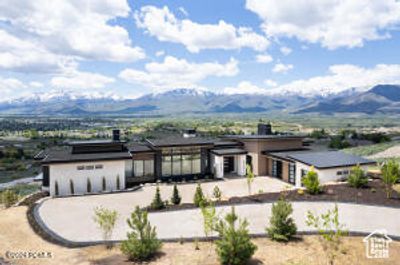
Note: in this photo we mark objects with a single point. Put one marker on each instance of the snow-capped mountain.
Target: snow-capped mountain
(379, 99)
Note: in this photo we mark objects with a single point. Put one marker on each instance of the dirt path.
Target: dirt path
(16, 235)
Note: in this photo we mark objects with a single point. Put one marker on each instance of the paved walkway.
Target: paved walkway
(77, 227)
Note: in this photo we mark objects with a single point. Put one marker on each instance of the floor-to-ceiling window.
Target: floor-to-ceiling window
(181, 161)
(143, 168)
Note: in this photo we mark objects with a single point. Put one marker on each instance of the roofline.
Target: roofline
(262, 137)
(94, 142)
(84, 160)
(210, 143)
(244, 152)
(344, 165)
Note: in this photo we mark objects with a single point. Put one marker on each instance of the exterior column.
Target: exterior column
(218, 167)
(241, 167)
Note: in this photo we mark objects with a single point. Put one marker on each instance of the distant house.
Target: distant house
(108, 165)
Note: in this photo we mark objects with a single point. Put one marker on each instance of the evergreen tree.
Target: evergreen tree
(71, 187)
(118, 183)
(217, 193)
(157, 202)
(234, 246)
(199, 198)
(176, 198)
(56, 192)
(282, 226)
(103, 184)
(142, 242)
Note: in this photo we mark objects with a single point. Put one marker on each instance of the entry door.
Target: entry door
(229, 165)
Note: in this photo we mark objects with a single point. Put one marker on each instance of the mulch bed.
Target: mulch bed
(373, 194)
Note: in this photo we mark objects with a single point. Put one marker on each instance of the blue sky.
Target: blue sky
(130, 48)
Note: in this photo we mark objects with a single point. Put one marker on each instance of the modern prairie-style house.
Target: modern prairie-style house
(108, 165)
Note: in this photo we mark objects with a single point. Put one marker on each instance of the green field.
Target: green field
(370, 149)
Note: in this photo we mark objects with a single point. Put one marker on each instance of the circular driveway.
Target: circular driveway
(72, 218)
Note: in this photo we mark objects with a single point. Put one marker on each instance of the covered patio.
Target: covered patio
(228, 162)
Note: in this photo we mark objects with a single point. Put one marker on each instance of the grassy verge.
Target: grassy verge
(370, 149)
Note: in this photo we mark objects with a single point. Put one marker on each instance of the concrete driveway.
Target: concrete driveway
(77, 224)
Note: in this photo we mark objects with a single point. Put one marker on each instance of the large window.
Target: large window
(143, 168)
(292, 173)
(181, 161)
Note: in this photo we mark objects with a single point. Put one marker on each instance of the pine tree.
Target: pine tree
(282, 226)
(56, 192)
(176, 198)
(357, 178)
(217, 193)
(234, 246)
(142, 242)
(199, 198)
(118, 183)
(104, 186)
(157, 202)
(71, 187)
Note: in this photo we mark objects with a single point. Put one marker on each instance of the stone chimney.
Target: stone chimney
(115, 135)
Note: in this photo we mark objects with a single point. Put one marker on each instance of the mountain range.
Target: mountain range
(383, 99)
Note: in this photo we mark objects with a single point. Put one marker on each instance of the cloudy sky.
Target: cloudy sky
(130, 48)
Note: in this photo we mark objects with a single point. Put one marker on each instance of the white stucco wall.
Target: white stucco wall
(241, 165)
(325, 175)
(63, 173)
(218, 165)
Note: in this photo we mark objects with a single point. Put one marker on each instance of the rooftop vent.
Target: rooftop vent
(115, 135)
(187, 133)
(264, 129)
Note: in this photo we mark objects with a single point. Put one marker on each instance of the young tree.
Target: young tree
(330, 229)
(88, 186)
(282, 226)
(56, 192)
(390, 175)
(142, 242)
(157, 202)
(71, 187)
(106, 220)
(9, 198)
(249, 177)
(217, 193)
(234, 246)
(199, 196)
(311, 182)
(357, 177)
(176, 198)
(209, 218)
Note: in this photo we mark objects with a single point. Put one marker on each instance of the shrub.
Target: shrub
(71, 187)
(234, 246)
(106, 220)
(311, 182)
(157, 202)
(176, 198)
(118, 183)
(199, 198)
(142, 242)
(390, 175)
(282, 226)
(103, 184)
(9, 198)
(217, 193)
(357, 178)
(56, 191)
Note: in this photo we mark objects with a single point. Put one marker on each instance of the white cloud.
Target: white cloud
(174, 72)
(35, 84)
(163, 24)
(23, 55)
(342, 77)
(285, 50)
(160, 53)
(244, 87)
(333, 23)
(45, 34)
(264, 58)
(282, 68)
(183, 11)
(270, 83)
(9, 87)
(81, 80)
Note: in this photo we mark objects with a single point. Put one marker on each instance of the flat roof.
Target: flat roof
(262, 136)
(139, 148)
(325, 159)
(229, 151)
(94, 142)
(179, 141)
(65, 156)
